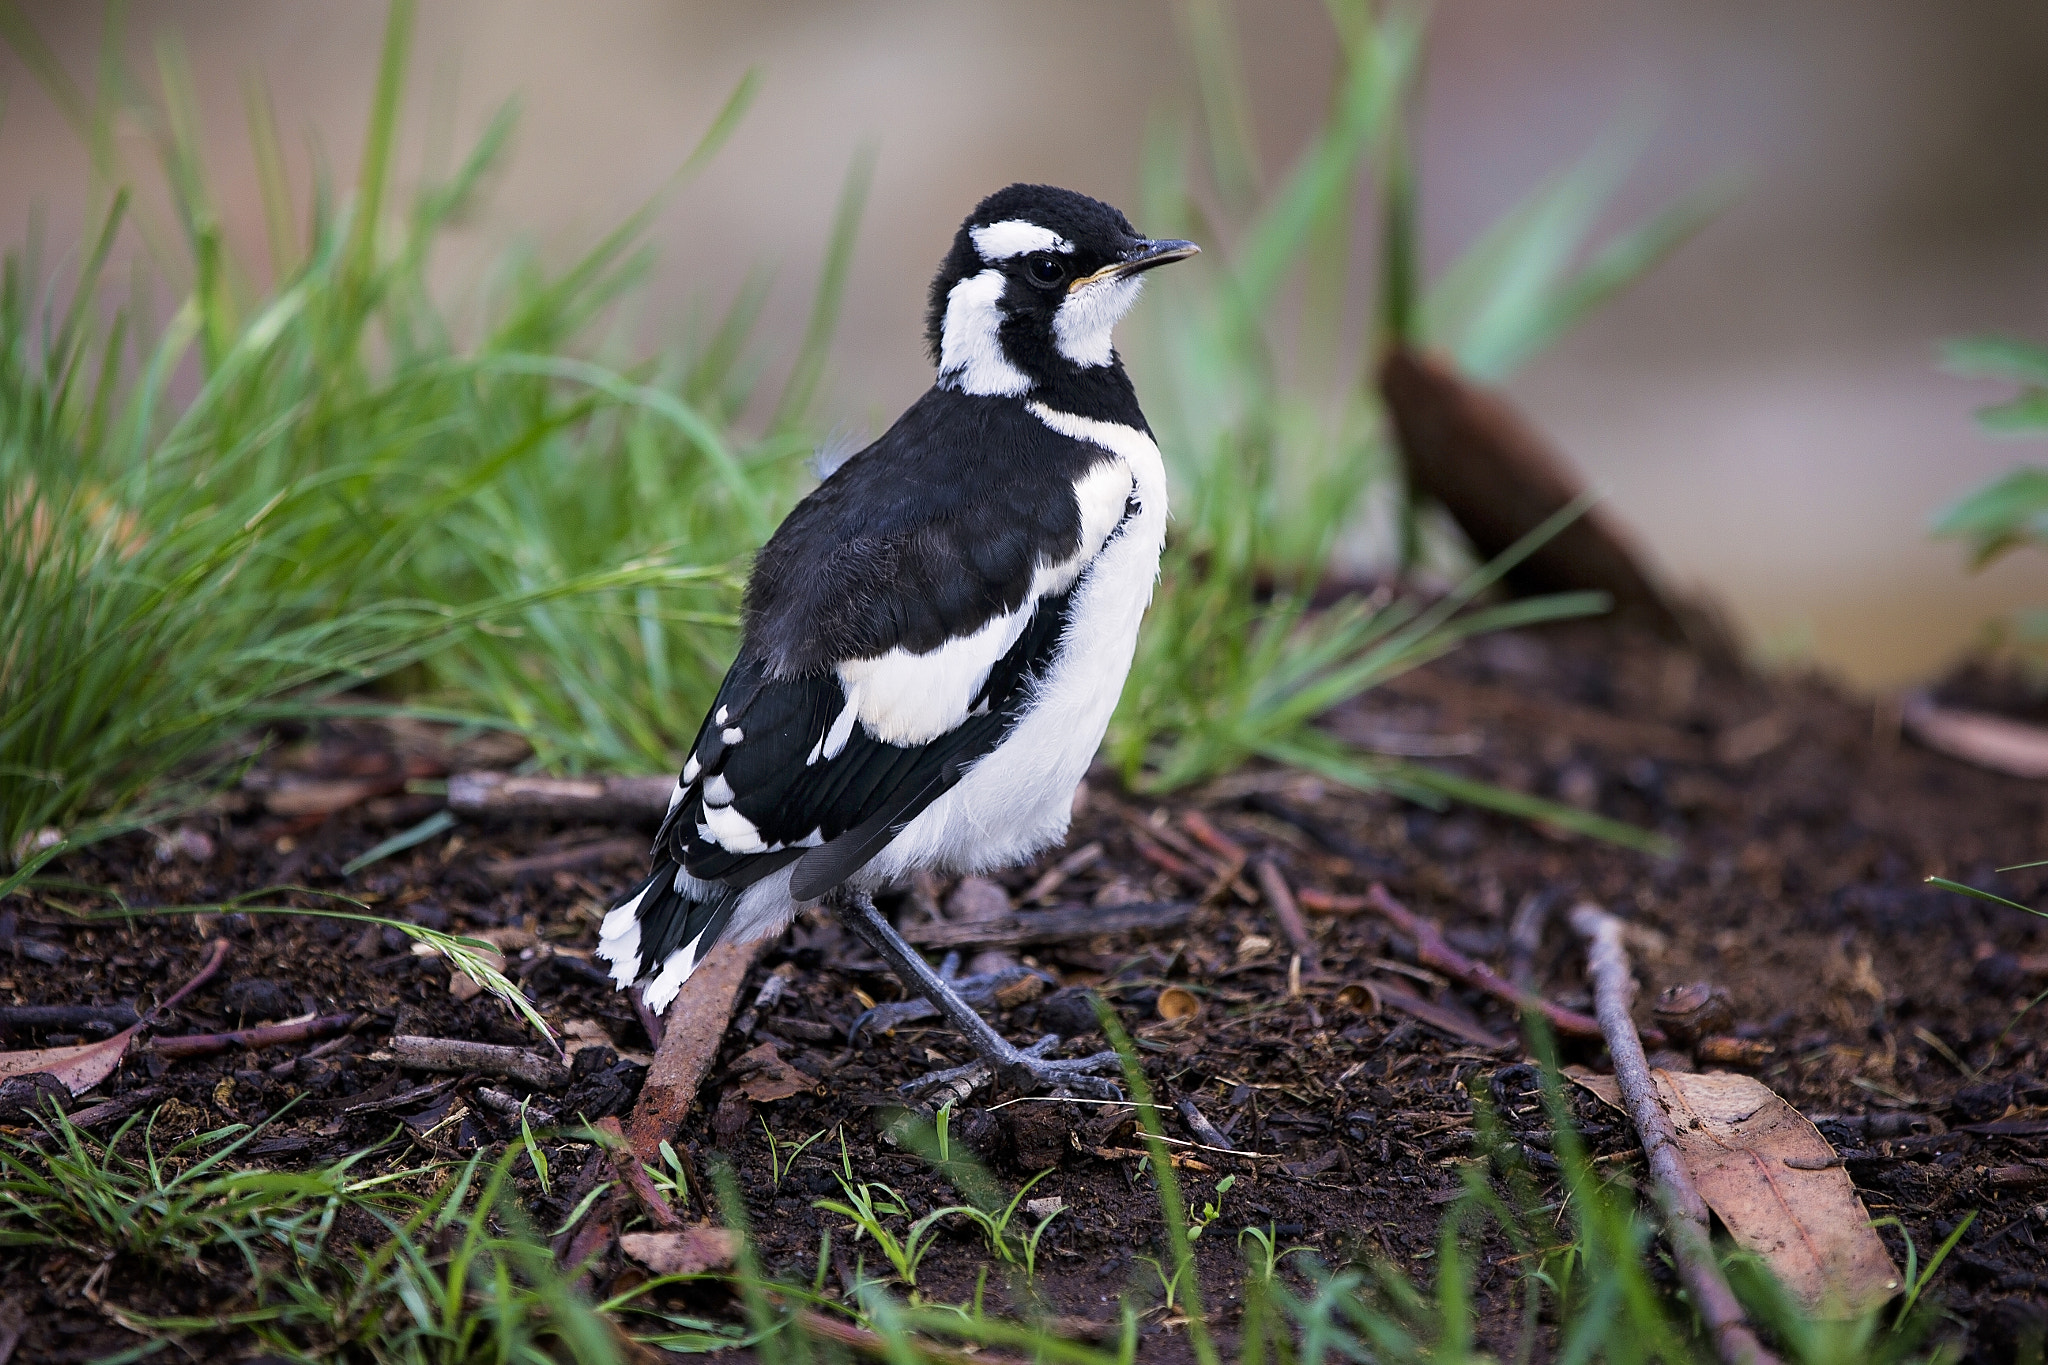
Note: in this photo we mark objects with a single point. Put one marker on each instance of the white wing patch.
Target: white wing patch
(971, 355)
(1015, 237)
(905, 698)
(1081, 328)
(733, 832)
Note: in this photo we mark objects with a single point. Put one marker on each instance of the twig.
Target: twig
(1525, 938)
(1454, 1022)
(120, 1107)
(1050, 926)
(1233, 856)
(860, 1339)
(1198, 1123)
(634, 1176)
(1330, 902)
(15, 1017)
(268, 1035)
(1079, 860)
(1685, 1213)
(459, 1054)
(505, 1102)
(496, 796)
(1280, 899)
(206, 971)
(1432, 951)
(565, 859)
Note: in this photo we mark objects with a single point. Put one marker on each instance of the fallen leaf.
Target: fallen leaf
(1773, 1181)
(579, 1034)
(78, 1068)
(324, 797)
(764, 1076)
(1994, 742)
(691, 1251)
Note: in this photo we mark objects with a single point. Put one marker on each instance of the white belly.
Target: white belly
(1018, 799)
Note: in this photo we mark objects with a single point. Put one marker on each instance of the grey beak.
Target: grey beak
(1143, 255)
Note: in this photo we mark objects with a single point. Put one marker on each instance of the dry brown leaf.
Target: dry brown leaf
(323, 796)
(578, 1034)
(1994, 742)
(691, 1251)
(1770, 1177)
(79, 1068)
(764, 1076)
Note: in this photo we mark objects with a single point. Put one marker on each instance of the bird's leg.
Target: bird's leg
(856, 910)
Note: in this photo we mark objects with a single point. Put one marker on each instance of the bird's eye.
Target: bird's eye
(1045, 271)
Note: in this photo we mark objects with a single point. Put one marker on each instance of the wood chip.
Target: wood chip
(696, 1022)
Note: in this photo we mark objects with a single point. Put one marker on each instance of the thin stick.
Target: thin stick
(206, 971)
(1432, 951)
(1685, 1213)
(1280, 898)
(634, 1176)
(268, 1035)
(459, 1054)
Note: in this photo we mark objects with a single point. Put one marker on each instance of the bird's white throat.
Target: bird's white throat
(1082, 326)
(971, 356)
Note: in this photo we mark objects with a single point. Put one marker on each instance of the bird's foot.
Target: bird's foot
(1030, 1069)
(984, 990)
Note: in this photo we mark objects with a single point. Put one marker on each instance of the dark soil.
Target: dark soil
(1806, 827)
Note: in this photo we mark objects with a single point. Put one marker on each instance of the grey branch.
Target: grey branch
(1685, 1213)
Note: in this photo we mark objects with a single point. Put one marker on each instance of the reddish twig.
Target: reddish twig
(857, 1338)
(1232, 854)
(634, 1176)
(206, 972)
(1685, 1213)
(1171, 863)
(268, 1035)
(1432, 951)
(1081, 858)
(1330, 902)
(1280, 899)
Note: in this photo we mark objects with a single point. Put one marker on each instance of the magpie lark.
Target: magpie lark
(935, 638)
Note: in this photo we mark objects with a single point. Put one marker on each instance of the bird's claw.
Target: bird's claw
(1030, 1070)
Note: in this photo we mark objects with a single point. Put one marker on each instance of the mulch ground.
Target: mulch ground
(1806, 827)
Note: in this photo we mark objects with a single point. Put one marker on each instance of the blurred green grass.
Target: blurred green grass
(290, 490)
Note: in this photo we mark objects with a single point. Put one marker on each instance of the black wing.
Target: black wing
(763, 744)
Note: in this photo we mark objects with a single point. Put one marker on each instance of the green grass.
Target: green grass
(2011, 511)
(374, 1259)
(510, 519)
(321, 476)
(1279, 453)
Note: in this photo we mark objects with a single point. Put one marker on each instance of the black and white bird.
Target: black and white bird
(935, 638)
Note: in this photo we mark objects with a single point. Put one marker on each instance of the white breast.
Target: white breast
(1018, 799)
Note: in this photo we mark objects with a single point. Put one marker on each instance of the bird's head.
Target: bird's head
(1037, 278)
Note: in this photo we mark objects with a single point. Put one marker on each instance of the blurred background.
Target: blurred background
(1765, 408)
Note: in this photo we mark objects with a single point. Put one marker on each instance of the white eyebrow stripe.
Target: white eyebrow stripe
(1015, 237)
